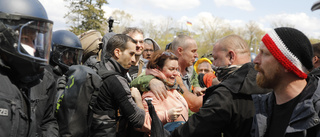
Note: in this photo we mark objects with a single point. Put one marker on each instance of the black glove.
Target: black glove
(61, 82)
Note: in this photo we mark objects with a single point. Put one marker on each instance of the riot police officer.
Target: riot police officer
(25, 39)
(66, 51)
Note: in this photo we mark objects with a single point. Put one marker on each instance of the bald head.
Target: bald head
(181, 41)
(185, 48)
(231, 50)
(235, 43)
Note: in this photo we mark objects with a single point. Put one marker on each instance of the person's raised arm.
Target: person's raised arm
(150, 83)
(158, 89)
(137, 97)
(194, 101)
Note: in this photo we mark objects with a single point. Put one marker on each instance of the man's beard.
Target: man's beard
(269, 80)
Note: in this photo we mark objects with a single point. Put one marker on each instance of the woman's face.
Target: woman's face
(170, 70)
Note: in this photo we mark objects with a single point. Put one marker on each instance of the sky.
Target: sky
(235, 12)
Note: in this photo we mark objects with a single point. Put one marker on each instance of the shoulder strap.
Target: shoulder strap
(104, 73)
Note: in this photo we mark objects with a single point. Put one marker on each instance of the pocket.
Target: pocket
(102, 125)
(41, 103)
(14, 121)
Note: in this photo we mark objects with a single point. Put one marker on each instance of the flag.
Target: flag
(189, 23)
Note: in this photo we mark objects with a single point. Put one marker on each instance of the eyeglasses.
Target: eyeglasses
(148, 50)
(168, 54)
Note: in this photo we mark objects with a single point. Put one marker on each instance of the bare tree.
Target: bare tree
(162, 33)
(209, 31)
(150, 29)
(281, 23)
(253, 35)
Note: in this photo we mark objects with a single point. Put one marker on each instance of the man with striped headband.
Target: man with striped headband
(283, 64)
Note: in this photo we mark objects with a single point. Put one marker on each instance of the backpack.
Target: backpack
(74, 107)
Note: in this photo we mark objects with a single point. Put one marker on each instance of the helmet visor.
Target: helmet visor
(35, 40)
(69, 56)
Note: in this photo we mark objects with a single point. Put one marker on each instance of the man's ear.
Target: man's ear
(180, 50)
(232, 56)
(315, 59)
(117, 53)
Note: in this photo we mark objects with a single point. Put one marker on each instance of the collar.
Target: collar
(223, 73)
(306, 113)
(112, 64)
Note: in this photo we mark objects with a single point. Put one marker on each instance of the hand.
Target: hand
(174, 113)
(135, 93)
(61, 82)
(158, 89)
(179, 80)
(199, 91)
(137, 97)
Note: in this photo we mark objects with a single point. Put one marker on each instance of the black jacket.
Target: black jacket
(43, 99)
(73, 111)
(227, 108)
(25, 112)
(15, 112)
(114, 94)
(305, 118)
(315, 72)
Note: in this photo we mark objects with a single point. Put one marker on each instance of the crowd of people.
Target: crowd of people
(60, 84)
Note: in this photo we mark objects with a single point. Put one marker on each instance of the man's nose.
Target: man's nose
(139, 43)
(257, 59)
(133, 59)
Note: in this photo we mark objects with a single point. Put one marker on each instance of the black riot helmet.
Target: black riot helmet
(25, 36)
(66, 50)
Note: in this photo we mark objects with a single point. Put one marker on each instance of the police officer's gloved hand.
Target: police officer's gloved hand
(61, 82)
